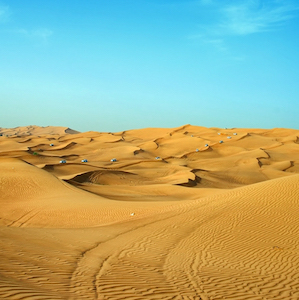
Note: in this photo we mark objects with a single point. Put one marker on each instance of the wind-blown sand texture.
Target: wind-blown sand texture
(178, 215)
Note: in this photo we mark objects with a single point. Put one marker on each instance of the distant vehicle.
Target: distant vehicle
(63, 161)
(197, 150)
(51, 145)
(206, 145)
(84, 160)
(158, 157)
(235, 133)
(229, 137)
(113, 159)
(220, 142)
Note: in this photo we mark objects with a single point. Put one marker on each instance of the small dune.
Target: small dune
(156, 213)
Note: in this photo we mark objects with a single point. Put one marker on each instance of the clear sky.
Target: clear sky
(112, 65)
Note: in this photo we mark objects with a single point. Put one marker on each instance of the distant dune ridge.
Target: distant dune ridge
(155, 213)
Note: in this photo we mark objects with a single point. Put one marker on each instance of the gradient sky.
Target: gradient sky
(112, 65)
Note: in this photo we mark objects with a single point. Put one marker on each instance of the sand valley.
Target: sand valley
(157, 213)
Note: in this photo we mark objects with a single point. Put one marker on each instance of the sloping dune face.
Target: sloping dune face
(182, 213)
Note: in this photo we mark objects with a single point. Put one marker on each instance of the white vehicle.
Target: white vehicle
(63, 161)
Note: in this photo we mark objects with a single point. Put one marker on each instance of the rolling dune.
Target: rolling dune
(179, 213)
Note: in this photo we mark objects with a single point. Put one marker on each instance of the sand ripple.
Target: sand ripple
(177, 215)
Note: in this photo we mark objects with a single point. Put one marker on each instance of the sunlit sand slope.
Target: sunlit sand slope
(33, 197)
(232, 246)
(178, 215)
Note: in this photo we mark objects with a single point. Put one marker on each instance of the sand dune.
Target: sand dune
(182, 213)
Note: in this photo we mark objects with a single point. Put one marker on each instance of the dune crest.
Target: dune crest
(154, 213)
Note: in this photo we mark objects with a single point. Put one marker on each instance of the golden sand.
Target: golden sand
(178, 214)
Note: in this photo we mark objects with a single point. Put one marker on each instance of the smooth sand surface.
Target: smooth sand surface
(178, 215)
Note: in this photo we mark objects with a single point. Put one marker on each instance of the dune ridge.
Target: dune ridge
(155, 213)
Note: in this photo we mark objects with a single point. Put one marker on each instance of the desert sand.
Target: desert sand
(178, 214)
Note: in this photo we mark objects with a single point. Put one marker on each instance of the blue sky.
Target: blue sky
(112, 65)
